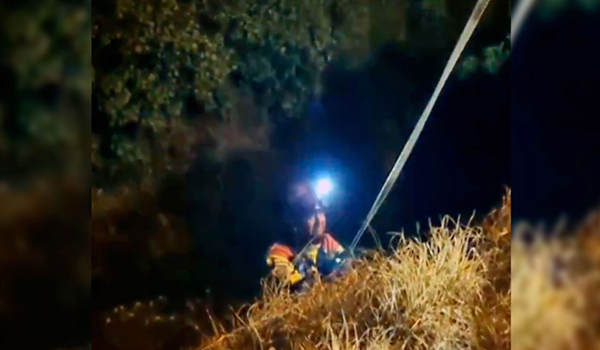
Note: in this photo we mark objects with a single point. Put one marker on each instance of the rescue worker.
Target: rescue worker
(320, 246)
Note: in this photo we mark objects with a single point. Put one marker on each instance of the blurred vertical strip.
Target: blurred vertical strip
(45, 120)
(555, 269)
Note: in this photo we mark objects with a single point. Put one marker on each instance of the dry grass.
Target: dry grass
(556, 284)
(450, 292)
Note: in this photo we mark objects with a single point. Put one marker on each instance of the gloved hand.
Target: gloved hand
(306, 268)
(329, 264)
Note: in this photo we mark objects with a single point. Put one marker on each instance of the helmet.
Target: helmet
(281, 251)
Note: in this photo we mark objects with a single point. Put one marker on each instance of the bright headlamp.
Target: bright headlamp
(323, 187)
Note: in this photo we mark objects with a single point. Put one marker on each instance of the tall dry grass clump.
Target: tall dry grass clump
(449, 292)
(556, 285)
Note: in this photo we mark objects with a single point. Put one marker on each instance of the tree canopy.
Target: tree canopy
(171, 75)
(161, 67)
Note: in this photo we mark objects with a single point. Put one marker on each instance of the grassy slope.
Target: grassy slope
(454, 292)
(450, 292)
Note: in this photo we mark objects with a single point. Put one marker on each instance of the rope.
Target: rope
(408, 147)
(523, 9)
(300, 255)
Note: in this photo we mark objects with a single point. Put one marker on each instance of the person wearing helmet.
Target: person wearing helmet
(313, 243)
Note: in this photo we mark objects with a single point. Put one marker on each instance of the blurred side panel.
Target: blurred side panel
(45, 103)
(555, 170)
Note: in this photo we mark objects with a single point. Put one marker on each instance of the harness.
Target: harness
(317, 258)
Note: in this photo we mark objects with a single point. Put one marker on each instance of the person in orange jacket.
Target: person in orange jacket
(319, 244)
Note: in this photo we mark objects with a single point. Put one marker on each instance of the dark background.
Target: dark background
(460, 163)
(463, 159)
(555, 135)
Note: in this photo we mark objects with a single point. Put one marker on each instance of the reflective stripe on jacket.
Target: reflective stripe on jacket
(280, 258)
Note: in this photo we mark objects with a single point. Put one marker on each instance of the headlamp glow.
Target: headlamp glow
(323, 187)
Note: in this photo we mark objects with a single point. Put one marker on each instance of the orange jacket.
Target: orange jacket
(280, 257)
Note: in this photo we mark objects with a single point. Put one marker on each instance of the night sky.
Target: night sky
(461, 161)
(555, 134)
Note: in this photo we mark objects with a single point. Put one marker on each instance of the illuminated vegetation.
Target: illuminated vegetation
(161, 68)
(170, 77)
(555, 283)
(451, 290)
(455, 290)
